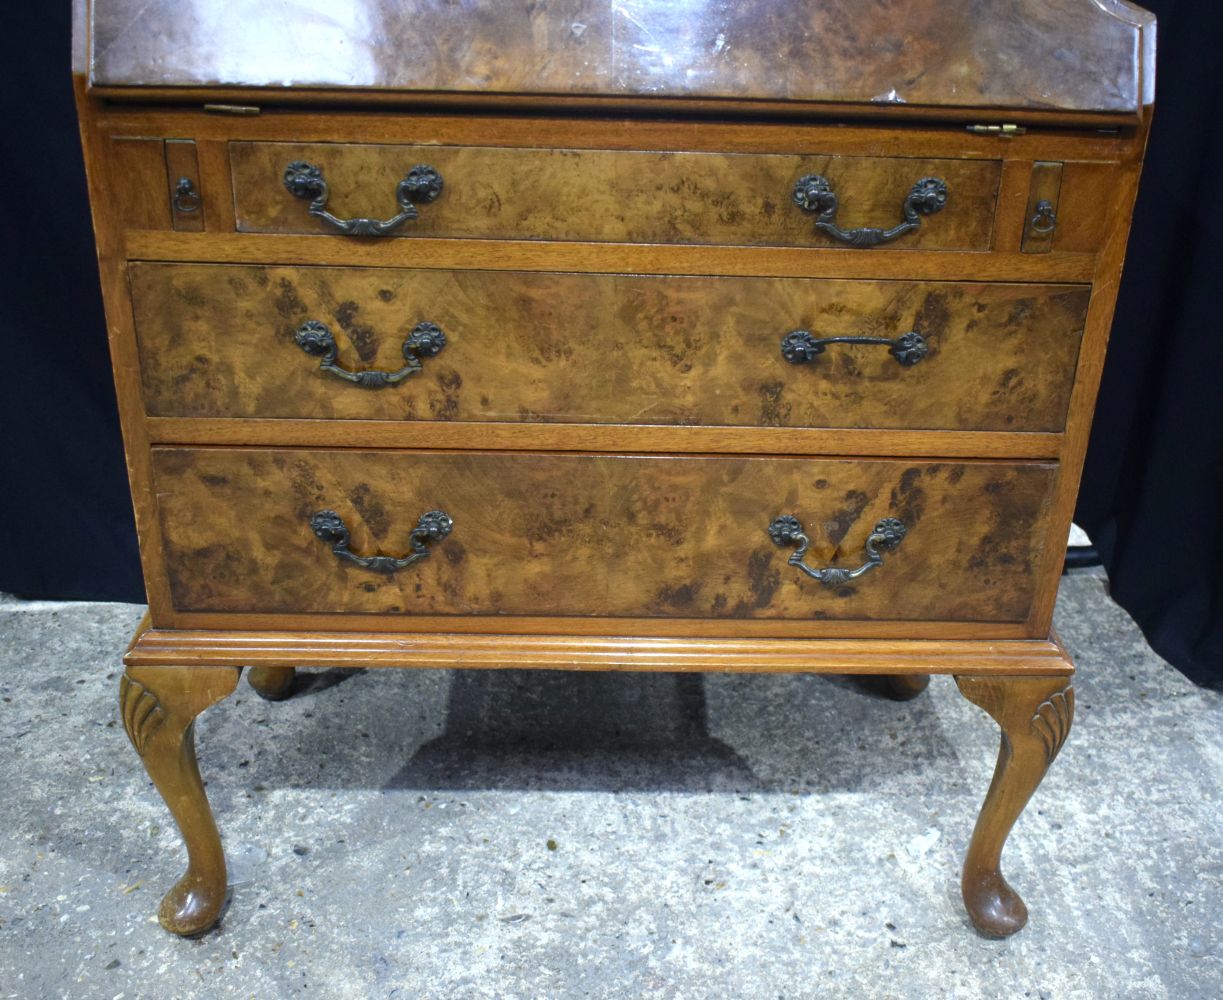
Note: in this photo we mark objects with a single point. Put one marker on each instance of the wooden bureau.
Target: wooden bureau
(634, 336)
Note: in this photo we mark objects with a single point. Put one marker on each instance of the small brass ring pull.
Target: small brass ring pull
(814, 194)
(1044, 219)
(421, 184)
(801, 347)
(186, 197)
(425, 341)
(434, 525)
(788, 530)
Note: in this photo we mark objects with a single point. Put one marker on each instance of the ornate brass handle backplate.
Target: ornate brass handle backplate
(434, 525)
(788, 530)
(425, 341)
(814, 194)
(421, 184)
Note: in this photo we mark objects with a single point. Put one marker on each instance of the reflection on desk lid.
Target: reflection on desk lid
(1079, 59)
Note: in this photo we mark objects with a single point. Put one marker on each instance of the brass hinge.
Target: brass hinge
(1006, 131)
(231, 109)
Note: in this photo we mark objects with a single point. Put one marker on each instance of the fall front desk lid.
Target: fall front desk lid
(1075, 58)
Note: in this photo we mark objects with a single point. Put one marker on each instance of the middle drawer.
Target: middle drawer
(220, 340)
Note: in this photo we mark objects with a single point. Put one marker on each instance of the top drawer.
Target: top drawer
(744, 199)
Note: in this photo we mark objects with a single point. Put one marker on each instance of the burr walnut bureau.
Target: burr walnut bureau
(591, 335)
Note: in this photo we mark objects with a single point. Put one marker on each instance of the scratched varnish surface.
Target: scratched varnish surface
(742, 199)
(217, 341)
(539, 534)
(1022, 54)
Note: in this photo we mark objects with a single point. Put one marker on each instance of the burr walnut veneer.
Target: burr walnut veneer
(487, 335)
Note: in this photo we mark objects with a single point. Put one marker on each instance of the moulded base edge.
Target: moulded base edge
(184, 647)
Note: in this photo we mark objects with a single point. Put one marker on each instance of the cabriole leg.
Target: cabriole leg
(272, 683)
(159, 706)
(1034, 715)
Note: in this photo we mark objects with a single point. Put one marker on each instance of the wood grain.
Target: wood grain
(696, 131)
(158, 706)
(141, 200)
(589, 625)
(1010, 220)
(217, 341)
(1117, 202)
(285, 649)
(1034, 716)
(610, 258)
(263, 101)
(633, 438)
(597, 535)
(1056, 55)
(1086, 199)
(218, 182)
(111, 192)
(614, 195)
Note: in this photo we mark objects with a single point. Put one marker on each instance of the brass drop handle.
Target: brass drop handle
(186, 198)
(433, 526)
(421, 184)
(1044, 219)
(814, 194)
(425, 341)
(801, 347)
(788, 530)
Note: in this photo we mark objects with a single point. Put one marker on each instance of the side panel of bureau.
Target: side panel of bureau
(218, 341)
(615, 536)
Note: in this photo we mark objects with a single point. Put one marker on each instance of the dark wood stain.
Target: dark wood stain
(909, 498)
(840, 521)
(679, 597)
(287, 302)
(372, 512)
(763, 576)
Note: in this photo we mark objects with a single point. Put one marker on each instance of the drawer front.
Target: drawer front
(643, 537)
(219, 341)
(616, 196)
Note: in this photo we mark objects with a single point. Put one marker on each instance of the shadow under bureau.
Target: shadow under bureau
(487, 335)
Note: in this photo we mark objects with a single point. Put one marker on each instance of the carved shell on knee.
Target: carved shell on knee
(142, 712)
(1051, 723)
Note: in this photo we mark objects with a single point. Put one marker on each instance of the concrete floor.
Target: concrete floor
(504, 835)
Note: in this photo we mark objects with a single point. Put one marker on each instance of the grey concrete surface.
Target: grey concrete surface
(509, 835)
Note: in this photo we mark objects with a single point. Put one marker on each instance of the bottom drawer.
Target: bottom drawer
(596, 535)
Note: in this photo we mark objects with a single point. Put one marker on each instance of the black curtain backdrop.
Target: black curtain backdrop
(64, 503)
(1152, 496)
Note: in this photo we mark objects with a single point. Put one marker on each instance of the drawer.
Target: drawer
(613, 536)
(616, 196)
(219, 341)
